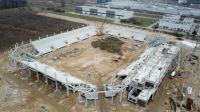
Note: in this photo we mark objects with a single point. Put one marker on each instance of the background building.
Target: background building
(176, 23)
(103, 1)
(182, 1)
(4, 4)
(189, 1)
(153, 7)
(105, 12)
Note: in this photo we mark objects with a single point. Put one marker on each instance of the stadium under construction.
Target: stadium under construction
(69, 60)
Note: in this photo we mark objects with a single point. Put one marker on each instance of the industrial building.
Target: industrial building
(189, 1)
(103, 1)
(153, 7)
(182, 1)
(176, 24)
(105, 12)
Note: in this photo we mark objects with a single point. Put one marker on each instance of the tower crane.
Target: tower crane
(100, 28)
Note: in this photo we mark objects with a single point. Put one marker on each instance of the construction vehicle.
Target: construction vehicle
(100, 28)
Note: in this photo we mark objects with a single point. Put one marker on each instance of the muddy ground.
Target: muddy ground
(18, 25)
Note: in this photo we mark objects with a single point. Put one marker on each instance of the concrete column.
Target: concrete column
(112, 100)
(124, 92)
(56, 85)
(46, 80)
(121, 95)
(79, 96)
(38, 78)
(86, 102)
(22, 71)
(95, 103)
(45, 69)
(29, 73)
(67, 91)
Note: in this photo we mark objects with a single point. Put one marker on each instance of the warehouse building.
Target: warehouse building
(182, 1)
(153, 7)
(105, 12)
(103, 1)
(176, 23)
(189, 1)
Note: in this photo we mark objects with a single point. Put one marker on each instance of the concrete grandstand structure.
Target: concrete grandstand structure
(141, 78)
(144, 76)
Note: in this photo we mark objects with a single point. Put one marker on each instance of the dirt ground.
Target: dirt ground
(16, 96)
(20, 93)
(169, 87)
(27, 94)
(87, 63)
(18, 25)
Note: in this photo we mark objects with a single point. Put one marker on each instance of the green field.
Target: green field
(139, 21)
(69, 11)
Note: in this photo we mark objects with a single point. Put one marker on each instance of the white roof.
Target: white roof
(126, 32)
(135, 64)
(174, 21)
(148, 66)
(189, 43)
(159, 71)
(161, 66)
(60, 76)
(106, 9)
(52, 43)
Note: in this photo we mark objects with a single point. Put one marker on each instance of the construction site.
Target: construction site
(99, 67)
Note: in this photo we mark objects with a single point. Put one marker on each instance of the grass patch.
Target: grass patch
(139, 21)
(87, 17)
(111, 44)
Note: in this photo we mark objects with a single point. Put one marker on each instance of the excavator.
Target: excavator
(100, 28)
